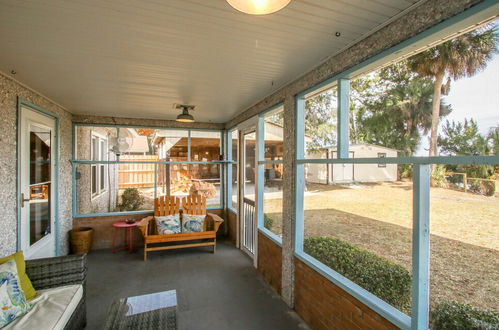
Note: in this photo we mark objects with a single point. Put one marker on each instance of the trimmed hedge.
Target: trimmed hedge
(383, 278)
(268, 222)
(456, 316)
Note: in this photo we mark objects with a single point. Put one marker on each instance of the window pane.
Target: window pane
(102, 177)
(171, 145)
(120, 195)
(234, 136)
(183, 179)
(393, 106)
(87, 140)
(272, 202)
(321, 121)
(358, 221)
(205, 146)
(94, 179)
(274, 136)
(95, 148)
(464, 211)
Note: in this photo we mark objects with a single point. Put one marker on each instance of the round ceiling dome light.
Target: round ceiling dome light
(258, 7)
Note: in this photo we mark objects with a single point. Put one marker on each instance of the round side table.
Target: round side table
(128, 235)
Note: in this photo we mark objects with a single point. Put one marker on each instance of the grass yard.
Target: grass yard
(378, 217)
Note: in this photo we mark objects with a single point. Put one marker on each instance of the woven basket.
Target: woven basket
(81, 239)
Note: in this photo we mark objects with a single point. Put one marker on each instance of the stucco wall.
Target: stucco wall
(106, 201)
(10, 90)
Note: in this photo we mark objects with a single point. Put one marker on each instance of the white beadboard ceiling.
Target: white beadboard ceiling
(136, 58)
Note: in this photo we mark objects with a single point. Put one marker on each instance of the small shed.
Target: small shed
(345, 173)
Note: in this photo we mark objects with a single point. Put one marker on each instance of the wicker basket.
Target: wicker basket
(81, 239)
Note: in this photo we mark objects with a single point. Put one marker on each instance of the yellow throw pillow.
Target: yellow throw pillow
(28, 289)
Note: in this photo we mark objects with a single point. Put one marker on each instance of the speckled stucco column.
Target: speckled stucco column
(288, 215)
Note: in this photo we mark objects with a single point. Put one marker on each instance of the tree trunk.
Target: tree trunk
(435, 114)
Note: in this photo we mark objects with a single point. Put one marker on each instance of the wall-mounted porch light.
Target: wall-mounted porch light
(258, 7)
(185, 116)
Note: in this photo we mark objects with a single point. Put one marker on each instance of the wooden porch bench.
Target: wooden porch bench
(169, 205)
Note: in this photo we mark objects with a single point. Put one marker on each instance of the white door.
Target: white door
(247, 204)
(342, 173)
(36, 195)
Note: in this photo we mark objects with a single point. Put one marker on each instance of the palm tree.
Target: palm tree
(461, 57)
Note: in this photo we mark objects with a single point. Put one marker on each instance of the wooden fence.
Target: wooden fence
(136, 175)
(486, 184)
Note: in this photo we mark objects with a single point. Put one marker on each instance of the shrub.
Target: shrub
(405, 171)
(438, 177)
(131, 200)
(383, 278)
(457, 316)
(268, 222)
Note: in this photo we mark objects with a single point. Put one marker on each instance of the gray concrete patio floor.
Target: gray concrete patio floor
(214, 291)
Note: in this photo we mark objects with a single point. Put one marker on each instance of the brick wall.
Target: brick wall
(232, 226)
(270, 261)
(103, 229)
(324, 305)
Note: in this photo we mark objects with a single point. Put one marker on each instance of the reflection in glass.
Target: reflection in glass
(40, 177)
(39, 155)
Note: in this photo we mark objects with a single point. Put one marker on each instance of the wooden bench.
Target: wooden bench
(170, 205)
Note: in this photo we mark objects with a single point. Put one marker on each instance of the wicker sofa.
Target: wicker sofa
(54, 272)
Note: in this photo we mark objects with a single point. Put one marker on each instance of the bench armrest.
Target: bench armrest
(144, 225)
(58, 271)
(215, 220)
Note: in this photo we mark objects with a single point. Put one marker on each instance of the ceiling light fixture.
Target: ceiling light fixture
(185, 116)
(258, 7)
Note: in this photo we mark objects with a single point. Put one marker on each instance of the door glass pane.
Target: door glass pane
(39, 154)
(39, 179)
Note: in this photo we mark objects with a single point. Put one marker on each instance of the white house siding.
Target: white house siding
(344, 173)
(372, 172)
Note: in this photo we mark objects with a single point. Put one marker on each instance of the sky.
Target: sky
(476, 97)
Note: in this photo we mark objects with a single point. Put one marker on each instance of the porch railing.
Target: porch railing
(249, 224)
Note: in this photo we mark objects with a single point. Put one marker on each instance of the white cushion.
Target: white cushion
(52, 309)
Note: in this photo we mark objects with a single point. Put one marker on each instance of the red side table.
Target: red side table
(128, 235)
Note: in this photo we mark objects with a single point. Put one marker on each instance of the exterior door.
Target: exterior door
(342, 173)
(37, 159)
(247, 206)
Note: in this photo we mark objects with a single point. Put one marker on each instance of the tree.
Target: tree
(461, 57)
(463, 139)
(321, 119)
(396, 110)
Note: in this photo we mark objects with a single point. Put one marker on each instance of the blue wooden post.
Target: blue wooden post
(260, 173)
(421, 247)
(343, 115)
(300, 171)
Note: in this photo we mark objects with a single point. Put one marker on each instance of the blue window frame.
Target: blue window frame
(214, 164)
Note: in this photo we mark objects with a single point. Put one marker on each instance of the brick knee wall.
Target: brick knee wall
(324, 305)
(270, 261)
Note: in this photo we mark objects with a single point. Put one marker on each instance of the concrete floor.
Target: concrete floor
(214, 291)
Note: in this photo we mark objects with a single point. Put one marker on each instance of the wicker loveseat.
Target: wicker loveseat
(59, 271)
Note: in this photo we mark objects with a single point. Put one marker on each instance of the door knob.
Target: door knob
(24, 199)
